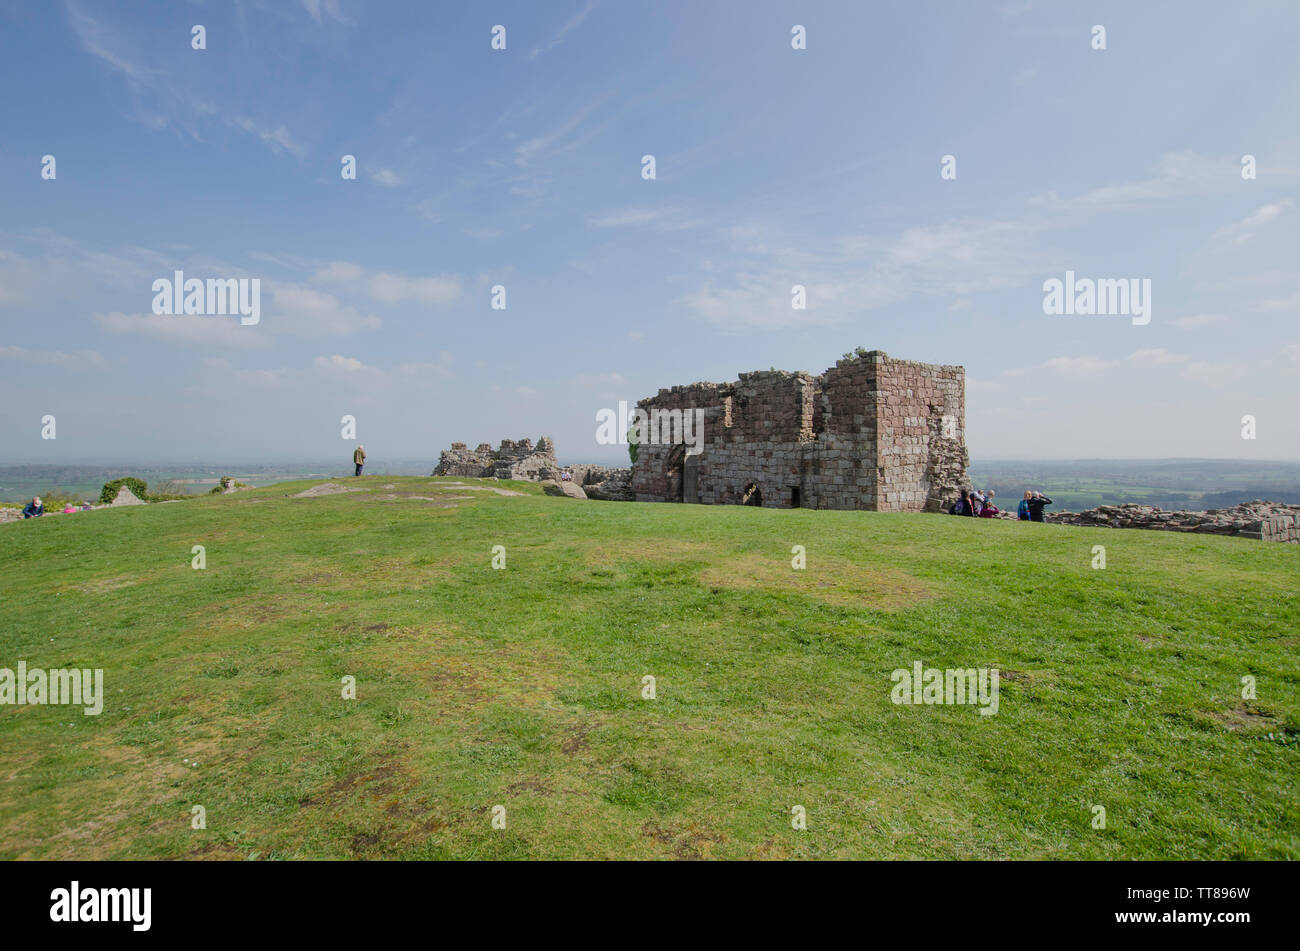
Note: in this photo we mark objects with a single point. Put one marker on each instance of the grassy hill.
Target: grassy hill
(522, 687)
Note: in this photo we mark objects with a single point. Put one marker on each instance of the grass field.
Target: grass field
(522, 687)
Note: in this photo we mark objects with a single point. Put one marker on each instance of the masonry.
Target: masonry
(871, 433)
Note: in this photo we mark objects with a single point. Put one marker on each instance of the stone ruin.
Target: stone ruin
(870, 433)
(1266, 521)
(515, 459)
(520, 459)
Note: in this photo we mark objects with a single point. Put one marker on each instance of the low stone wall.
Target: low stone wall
(520, 459)
(1267, 521)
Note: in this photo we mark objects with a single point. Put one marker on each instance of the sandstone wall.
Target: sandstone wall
(867, 434)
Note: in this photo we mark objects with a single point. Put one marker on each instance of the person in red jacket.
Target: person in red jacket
(989, 510)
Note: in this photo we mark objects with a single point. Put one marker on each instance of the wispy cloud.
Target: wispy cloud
(1176, 174)
(392, 288)
(1079, 366)
(564, 31)
(201, 332)
(1155, 357)
(278, 139)
(318, 9)
(76, 360)
(1242, 231)
(551, 141)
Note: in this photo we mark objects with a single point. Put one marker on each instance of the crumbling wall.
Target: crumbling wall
(1266, 521)
(869, 433)
(515, 459)
(520, 459)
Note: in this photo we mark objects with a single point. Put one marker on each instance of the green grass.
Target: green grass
(522, 687)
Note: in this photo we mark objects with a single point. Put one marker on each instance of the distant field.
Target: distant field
(1167, 483)
(20, 483)
(522, 687)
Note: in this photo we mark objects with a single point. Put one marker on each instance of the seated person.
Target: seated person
(34, 509)
(989, 510)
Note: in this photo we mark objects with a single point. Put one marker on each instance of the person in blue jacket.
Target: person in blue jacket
(1022, 510)
(34, 509)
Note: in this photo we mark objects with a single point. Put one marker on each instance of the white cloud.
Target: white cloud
(392, 288)
(315, 9)
(1196, 320)
(568, 27)
(1176, 174)
(75, 360)
(301, 310)
(1212, 374)
(1242, 231)
(662, 218)
(1156, 357)
(856, 273)
(544, 144)
(278, 139)
(339, 271)
(386, 177)
(1079, 366)
(194, 330)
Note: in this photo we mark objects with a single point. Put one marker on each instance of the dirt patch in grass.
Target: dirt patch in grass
(575, 739)
(318, 577)
(687, 843)
(528, 786)
(833, 580)
(216, 852)
(771, 849)
(104, 585)
(647, 549)
(327, 488)
(1245, 716)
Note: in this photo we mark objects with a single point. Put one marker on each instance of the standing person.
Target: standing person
(1022, 510)
(1036, 506)
(359, 458)
(34, 509)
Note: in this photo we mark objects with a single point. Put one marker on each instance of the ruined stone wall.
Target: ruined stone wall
(465, 463)
(867, 434)
(753, 432)
(1266, 521)
(917, 468)
(515, 459)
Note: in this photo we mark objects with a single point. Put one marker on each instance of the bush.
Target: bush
(138, 486)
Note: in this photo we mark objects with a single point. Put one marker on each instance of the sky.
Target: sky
(523, 168)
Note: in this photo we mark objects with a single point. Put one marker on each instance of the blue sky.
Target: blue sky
(522, 168)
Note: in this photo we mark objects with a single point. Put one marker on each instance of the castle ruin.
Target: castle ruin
(870, 433)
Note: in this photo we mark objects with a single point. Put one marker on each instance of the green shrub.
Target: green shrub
(138, 486)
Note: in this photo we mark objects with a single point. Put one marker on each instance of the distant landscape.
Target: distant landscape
(1072, 485)
(1197, 484)
(19, 483)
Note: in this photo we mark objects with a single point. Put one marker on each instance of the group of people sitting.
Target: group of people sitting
(36, 508)
(979, 504)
